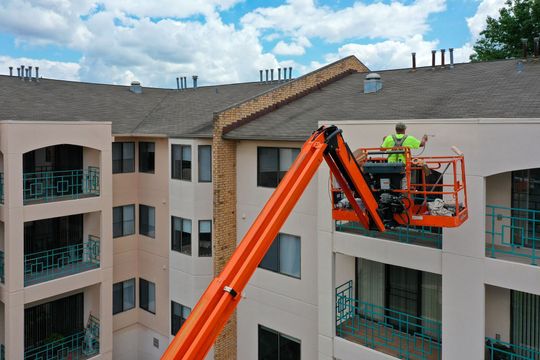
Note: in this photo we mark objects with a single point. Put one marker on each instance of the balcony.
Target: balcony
(47, 186)
(386, 330)
(512, 233)
(63, 261)
(416, 235)
(80, 345)
(500, 350)
(2, 273)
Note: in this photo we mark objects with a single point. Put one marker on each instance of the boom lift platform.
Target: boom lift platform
(365, 189)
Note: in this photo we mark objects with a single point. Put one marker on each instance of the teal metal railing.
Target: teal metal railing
(67, 260)
(418, 235)
(1, 187)
(500, 350)
(2, 267)
(91, 341)
(58, 185)
(70, 347)
(386, 330)
(513, 231)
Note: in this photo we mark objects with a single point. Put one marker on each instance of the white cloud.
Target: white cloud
(47, 68)
(477, 22)
(295, 48)
(394, 20)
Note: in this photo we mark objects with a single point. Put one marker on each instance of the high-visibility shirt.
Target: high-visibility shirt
(410, 142)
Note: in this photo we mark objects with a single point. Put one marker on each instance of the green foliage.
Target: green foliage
(501, 38)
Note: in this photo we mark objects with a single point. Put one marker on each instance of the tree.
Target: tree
(501, 39)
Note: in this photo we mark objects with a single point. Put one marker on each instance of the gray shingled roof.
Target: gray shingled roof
(475, 90)
(155, 111)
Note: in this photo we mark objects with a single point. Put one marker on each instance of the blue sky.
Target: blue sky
(116, 41)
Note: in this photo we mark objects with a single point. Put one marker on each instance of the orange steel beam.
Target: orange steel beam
(218, 302)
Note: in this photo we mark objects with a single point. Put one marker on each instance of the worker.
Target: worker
(400, 139)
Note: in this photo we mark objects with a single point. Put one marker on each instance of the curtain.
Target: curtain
(289, 255)
(129, 294)
(128, 219)
(431, 308)
(371, 286)
(526, 323)
(205, 163)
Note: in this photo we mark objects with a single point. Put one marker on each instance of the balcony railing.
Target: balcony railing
(513, 232)
(417, 235)
(386, 330)
(73, 347)
(500, 350)
(2, 271)
(67, 260)
(48, 186)
(1, 187)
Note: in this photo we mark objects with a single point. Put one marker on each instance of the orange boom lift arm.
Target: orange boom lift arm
(220, 299)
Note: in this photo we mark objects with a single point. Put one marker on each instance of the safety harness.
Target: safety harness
(398, 142)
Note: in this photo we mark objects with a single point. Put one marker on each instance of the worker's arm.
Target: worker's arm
(423, 141)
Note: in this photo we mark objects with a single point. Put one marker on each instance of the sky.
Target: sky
(225, 41)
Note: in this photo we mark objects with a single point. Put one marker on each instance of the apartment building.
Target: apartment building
(132, 198)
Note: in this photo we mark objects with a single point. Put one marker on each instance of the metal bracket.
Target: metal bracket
(230, 290)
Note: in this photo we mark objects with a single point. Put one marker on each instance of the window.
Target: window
(273, 163)
(181, 235)
(123, 296)
(524, 225)
(147, 157)
(147, 295)
(179, 315)
(276, 346)
(123, 220)
(205, 163)
(123, 155)
(181, 162)
(205, 237)
(283, 256)
(147, 221)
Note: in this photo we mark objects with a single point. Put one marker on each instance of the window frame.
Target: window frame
(211, 238)
(150, 234)
(180, 249)
(278, 179)
(150, 169)
(123, 157)
(181, 170)
(141, 294)
(123, 221)
(123, 296)
(280, 335)
(199, 147)
(278, 244)
(181, 320)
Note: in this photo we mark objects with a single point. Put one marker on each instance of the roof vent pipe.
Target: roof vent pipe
(26, 74)
(37, 73)
(11, 71)
(177, 83)
(261, 75)
(290, 72)
(279, 74)
(443, 51)
(372, 83)
(29, 73)
(18, 72)
(451, 51)
(22, 72)
(135, 87)
(194, 77)
(536, 46)
(413, 55)
(433, 52)
(524, 43)
(266, 75)
(272, 75)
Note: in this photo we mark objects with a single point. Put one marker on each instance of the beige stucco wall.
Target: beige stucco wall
(138, 256)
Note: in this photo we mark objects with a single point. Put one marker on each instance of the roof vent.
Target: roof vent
(372, 83)
(135, 87)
